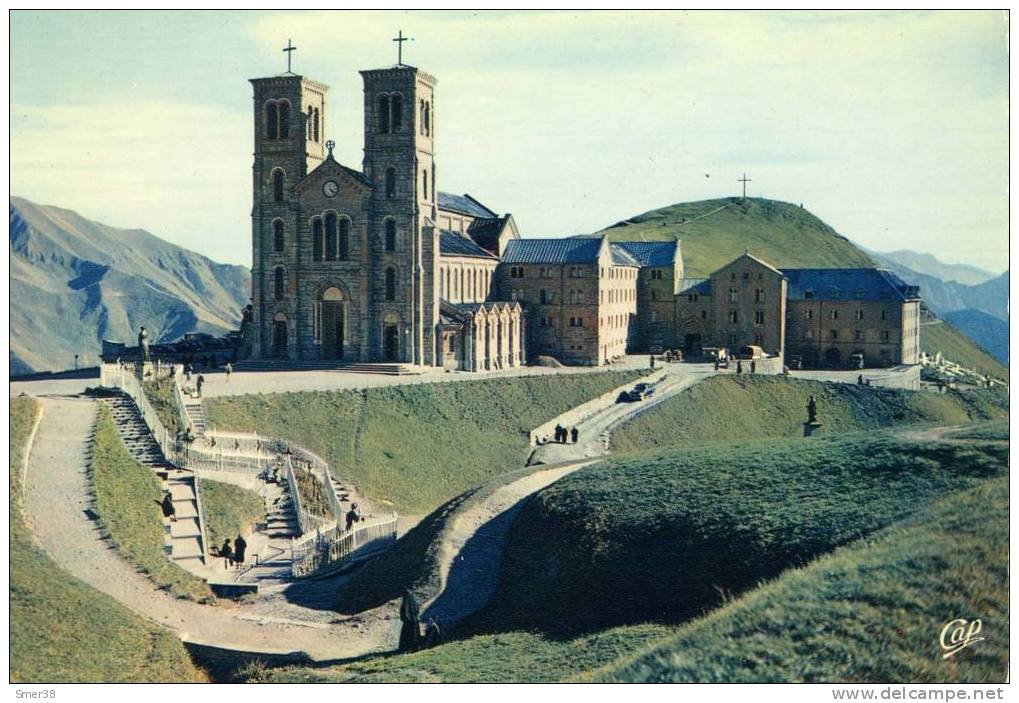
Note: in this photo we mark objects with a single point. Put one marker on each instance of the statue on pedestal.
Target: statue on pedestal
(143, 344)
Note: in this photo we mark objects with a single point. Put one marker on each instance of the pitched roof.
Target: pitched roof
(455, 244)
(571, 250)
(328, 167)
(701, 286)
(621, 257)
(464, 204)
(651, 253)
(848, 284)
(486, 230)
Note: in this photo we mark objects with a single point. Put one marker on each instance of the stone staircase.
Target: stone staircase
(384, 369)
(193, 407)
(184, 534)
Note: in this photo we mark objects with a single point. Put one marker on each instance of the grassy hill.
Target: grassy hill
(954, 346)
(416, 446)
(62, 630)
(869, 612)
(716, 410)
(714, 232)
(670, 535)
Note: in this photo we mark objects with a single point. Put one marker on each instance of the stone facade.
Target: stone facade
(349, 265)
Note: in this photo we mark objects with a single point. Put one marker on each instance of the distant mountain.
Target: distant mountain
(74, 282)
(986, 331)
(930, 265)
(714, 232)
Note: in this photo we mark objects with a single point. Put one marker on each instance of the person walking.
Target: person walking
(239, 547)
(200, 383)
(168, 509)
(753, 366)
(652, 361)
(739, 367)
(574, 433)
(229, 369)
(227, 552)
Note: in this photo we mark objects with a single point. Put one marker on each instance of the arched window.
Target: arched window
(390, 182)
(383, 114)
(277, 186)
(344, 239)
(390, 283)
(426, 119)
(314, 124)
(390, 235)
(284, 110)
(421, 118)
(424, 183)
(272, 121)
(277, 236)
(316, 239)
(397, 112)
(330, 236)
(279, 283)
(433, 183)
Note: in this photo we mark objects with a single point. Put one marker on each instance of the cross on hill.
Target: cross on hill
(744, 181)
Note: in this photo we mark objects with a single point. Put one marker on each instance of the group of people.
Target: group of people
(739, 366)
(233, 555)
(563, 436)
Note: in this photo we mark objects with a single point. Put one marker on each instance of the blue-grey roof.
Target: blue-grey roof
(570, 250)
(464, 204)
(651, 253)
(848, 284)
(700, 286)
(454, 244)
(621, 257)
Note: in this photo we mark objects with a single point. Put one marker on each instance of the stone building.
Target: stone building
(833, 314)
(661, 269)
(373, 264)
(821, 316)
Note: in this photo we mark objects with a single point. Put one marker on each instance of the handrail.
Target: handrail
(202, 521)
(335, 546)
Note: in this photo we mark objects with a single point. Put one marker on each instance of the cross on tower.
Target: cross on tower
(400, 39)
(289, 48)
(744, 181)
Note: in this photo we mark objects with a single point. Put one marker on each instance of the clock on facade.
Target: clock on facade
(330, 188)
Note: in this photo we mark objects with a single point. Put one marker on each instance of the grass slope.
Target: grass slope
(229, 510)
(869, 612)
(62, 630)
(416, 446)
(127, 502)
(714, 232)
(667, 535)
(717, 410)
(955, 346)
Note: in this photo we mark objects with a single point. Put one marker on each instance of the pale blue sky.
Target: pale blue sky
(892, 127)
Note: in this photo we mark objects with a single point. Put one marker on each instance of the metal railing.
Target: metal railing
(335, 546)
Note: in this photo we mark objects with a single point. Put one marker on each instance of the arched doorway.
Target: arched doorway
(391, 338)
(693, 338)
(279, 336)
(333, 318)
(833, 358)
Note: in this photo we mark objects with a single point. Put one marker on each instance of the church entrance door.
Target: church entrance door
(391, 343)
(332, 329)
(833, 358)
(692, 345)
(279, 339)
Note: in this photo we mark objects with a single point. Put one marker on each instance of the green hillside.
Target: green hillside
(63, 630)
(779, 410)
(669, 535)
(869, 612)
(955, 346)
(416, 446)
(714, 232)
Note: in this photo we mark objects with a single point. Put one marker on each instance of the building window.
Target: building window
(272, 121)
(809, 314)
(426, 119)
(884, 314)
(858, 335)
(759, 295)
(316, 239)
(344, 239)
(543, 296)
(284, 119)
(759, 317)
(733, 295)
(396, 105)
(692, 298)
(808, 295)
(834, 334)
(452, 344)
(383, 114)
(330, 236)
(734, 316)
(834, 314)
(390, 283)
(277, 185)
(315, 125)
(704, 314)
(859, 314)
(390, 238)
(277, 236)
(885, 336)
(279, 283)
(390, 182)
(424, 183)
(808, 334)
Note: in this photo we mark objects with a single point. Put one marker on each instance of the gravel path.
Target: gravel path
(55, 499)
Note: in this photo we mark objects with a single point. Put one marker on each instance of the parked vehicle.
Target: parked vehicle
(856, 361)
(750, 351)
